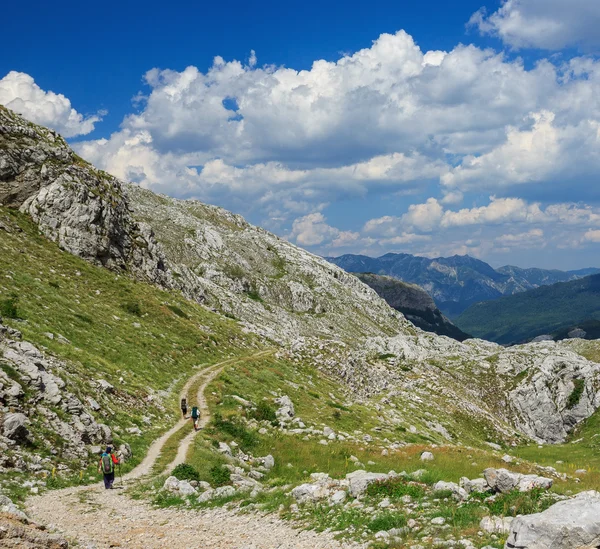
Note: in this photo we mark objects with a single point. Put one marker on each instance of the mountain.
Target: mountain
(455, 283)
(114, 300)
(549, 310)
(414, 303)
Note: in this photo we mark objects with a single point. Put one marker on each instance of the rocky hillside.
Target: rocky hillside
(455, 283)
(152, 286)
(414, 303)
(558, 311)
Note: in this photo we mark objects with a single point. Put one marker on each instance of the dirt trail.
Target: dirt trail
(99, 519)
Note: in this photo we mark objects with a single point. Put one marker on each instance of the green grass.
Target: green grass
(116, 329)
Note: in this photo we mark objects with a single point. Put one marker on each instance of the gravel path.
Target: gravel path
(99, 518)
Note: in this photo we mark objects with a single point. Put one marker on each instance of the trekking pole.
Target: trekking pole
(120, 473)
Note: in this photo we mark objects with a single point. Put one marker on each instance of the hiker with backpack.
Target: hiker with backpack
(107, 467)
(184, 407)
(195, 417)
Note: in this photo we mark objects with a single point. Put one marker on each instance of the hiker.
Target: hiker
(195, 417)
(107, 467)
(184, 407)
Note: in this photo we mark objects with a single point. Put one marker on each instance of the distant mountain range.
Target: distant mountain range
(562, 310)
(414, 303)
(457, 282)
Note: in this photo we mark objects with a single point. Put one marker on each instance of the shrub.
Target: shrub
(8, 307)
(132, 307)
(219, 475)
(387, 521)
(264, 412)
(395, 488)
(236, 430)
(184, 471)
(520, 503)
(575, 396)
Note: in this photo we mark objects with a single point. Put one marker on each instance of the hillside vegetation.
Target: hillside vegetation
(113, 297)
(545, 310)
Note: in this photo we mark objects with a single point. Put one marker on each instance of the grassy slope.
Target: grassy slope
(541, 311)
(153, 351)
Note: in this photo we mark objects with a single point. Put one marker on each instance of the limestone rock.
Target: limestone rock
(504, 481)
(15, 427)
(457, 491)
(569, 524)
(359, 481)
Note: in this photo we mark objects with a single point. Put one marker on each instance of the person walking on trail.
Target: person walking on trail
(184, 407)
(195, 417)
(108, 460)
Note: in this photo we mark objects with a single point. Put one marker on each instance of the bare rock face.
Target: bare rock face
(83, 209)
(570, 524)
(555, 395)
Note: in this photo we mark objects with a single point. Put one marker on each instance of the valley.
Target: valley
(330, 420)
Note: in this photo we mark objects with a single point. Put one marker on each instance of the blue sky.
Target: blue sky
(431, 128)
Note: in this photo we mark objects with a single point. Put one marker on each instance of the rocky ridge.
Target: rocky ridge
(459, 281)
(414, 303)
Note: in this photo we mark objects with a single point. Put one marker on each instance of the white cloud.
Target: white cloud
(544, 152)
(313, 230)
(592, 236)
(20, 93)
(533, 237)
(424, 217)
(545, 24)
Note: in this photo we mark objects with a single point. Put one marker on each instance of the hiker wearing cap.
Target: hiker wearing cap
(107, 467)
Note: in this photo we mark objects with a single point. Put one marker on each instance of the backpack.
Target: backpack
(195, 413)
(107, 464)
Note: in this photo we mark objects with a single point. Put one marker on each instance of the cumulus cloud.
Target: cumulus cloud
(592, 236)
(313, 230)
(19, 92)
(545, 24)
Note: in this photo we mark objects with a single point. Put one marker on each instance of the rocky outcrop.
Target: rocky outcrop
(83, 209)
(505, 481)
(570, 524)
(35, 397)
(414, 303)
(559, 390)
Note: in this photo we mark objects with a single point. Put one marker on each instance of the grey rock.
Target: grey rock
(15, 427)
(502, 480)
(569, 524)
(359, 481)
(427, 456)
(457, 491)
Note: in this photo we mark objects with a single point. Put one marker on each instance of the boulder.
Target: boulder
(7, 506)
(359, 480)
(268, 462)
(286, 410)
(569, 524)
(478, 485)
(15, 427)
(427, 456)
(306, 493)
(185, 488)
(503, 480)
(457, 491)
(171, 484)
